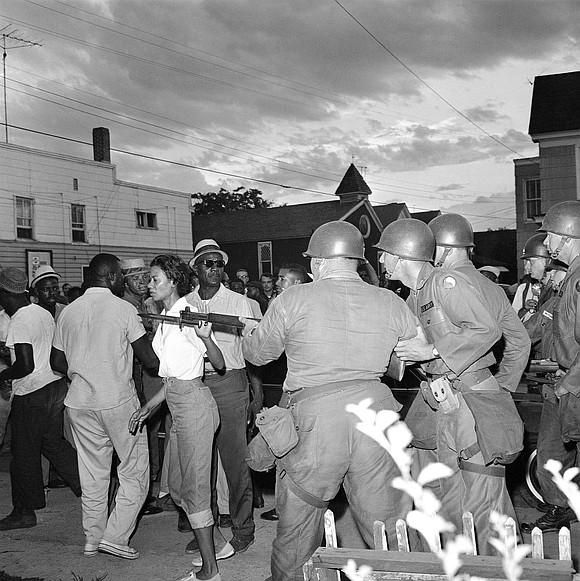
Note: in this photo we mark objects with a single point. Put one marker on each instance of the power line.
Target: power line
(199, 168)
(220, 145)
(334, 99)
(424, 83)
(318, 177)
(327, 95)
(8, 33)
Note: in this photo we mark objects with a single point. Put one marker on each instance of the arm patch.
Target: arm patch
(449, 282)
(578, 286)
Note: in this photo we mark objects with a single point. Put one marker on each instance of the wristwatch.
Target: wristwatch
(435, 352)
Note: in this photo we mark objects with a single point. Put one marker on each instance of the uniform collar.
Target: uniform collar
(424, 274)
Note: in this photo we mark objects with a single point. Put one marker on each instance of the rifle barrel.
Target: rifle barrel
(191, 318)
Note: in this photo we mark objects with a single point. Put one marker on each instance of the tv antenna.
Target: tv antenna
(11, 36)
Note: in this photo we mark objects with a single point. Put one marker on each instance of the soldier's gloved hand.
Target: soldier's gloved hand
(416, 348)
(531, 305)
(559, 389)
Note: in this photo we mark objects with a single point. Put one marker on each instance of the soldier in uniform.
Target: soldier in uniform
(455, 352)
(338, 333)
(454, 243)
(562, 226)
(535, 257)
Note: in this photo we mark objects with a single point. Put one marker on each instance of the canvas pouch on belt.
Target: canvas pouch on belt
(277, 427)
(569, 411)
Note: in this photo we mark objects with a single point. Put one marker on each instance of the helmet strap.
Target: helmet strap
(444, 256)
(389, 273)
(563, 241)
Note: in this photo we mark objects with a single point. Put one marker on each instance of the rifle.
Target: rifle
(189, 318)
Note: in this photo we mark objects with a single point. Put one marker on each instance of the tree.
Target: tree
(225, 201)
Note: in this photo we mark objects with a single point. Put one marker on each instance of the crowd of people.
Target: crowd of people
(117, 357)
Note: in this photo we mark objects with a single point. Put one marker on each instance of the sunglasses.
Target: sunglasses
(212, 263)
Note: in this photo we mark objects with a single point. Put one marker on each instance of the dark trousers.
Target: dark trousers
(551, 446)
(37, 429)
(231, 394)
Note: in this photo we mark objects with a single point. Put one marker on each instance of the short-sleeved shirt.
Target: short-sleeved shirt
(180, 351)
(255, 306)
(228, 339)
(32, 325)
(95, 333)
(4, 322)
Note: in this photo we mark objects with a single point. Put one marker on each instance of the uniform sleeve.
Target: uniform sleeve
(267, 341)
(516, 350)
(571, 381)
(407, 319)
(477, 331)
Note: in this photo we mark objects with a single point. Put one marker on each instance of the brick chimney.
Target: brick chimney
(101, 145)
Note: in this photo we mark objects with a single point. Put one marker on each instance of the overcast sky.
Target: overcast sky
(431, 97)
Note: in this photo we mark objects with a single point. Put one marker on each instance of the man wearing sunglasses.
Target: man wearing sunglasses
(230, 391)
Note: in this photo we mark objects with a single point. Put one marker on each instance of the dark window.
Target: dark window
(533, 198)
(24, 218)
(77, 213)
(146, 220)
(264, 257)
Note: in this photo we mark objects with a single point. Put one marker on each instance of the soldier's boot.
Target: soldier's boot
(553, 520)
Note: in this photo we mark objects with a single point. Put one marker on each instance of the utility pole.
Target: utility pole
(11, 34)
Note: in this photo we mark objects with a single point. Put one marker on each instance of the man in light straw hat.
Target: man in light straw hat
(45, 283)
(147, 383)
(230, 391)
(38, 404)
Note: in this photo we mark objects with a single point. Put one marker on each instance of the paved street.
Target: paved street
(53, 549)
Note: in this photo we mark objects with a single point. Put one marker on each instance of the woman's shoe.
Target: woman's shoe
(191, 576)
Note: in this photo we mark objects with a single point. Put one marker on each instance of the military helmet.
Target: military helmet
(336, 240)
(563, 219)
(534, 247)
(452, 230)
(408, 238)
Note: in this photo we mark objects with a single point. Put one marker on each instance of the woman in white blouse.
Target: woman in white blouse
(192, 406)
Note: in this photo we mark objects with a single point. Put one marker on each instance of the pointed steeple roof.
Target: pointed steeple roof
(353, 187)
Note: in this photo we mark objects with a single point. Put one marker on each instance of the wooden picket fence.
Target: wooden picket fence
(402, 564)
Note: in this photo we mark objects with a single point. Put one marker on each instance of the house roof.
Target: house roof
(555, 104)
(284, 222)
(426, 216)
(352, 183)
(297, 221)
(388, 213)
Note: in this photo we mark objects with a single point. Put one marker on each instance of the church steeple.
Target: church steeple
(353, 187)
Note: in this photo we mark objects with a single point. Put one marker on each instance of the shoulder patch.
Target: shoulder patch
(449, 282)
(578, 285)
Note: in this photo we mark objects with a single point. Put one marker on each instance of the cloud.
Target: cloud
(449, 187)
(483, 114)
(286, 92)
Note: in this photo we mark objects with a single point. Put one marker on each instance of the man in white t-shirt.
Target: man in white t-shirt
(37, 406)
